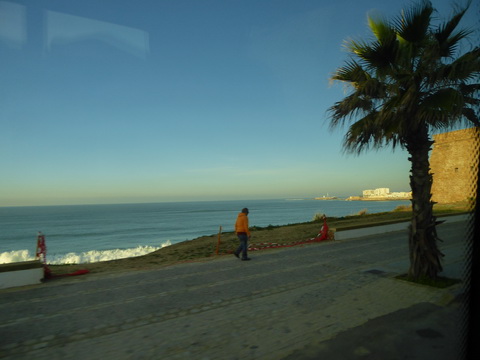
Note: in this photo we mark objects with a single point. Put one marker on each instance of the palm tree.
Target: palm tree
(406, 83)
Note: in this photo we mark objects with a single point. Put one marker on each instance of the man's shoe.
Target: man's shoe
(236, 255)
(246, 259)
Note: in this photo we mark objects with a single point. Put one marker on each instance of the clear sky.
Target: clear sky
(117, 101)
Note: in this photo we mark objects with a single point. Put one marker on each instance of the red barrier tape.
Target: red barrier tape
(75, 273)
(323, 235)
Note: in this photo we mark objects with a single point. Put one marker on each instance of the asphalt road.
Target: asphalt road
(293, 303)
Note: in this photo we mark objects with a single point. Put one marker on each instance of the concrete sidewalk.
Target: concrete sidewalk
(421, 331)
(328, 300)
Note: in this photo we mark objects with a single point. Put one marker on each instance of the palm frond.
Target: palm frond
(440, 106)
(470, 88)
(448, 107)
(372, 88)
(450, 46)
(360, 135)
(461, 70)
(358, 47)
(470, 94)
(466, 67)
(379, 55)
(351, 72)
(380, 28)
(412, 26)
(471, 116)
(350, 107)
(446, 29)
(365, 134)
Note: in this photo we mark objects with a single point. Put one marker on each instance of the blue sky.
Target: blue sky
(118, 101)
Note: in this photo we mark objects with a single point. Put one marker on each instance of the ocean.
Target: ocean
(91, 233)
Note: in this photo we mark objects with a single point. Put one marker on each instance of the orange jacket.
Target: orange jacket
(241, 225)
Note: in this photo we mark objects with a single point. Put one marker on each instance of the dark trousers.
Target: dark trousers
(243, 238)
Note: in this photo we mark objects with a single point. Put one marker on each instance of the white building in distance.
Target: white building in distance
(385, 193)
(376, 192)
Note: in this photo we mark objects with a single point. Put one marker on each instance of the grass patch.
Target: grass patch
(269, 227)
(440, 282)
(403, 208)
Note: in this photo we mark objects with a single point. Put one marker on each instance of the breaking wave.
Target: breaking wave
(80, 258)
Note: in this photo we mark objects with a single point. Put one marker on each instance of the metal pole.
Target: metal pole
(219, 236)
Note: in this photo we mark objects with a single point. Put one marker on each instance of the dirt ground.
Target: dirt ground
(205, 248)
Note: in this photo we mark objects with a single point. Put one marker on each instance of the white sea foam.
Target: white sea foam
(15, 256)
(81, 258)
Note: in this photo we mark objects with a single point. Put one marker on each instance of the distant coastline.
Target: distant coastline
(376, 198)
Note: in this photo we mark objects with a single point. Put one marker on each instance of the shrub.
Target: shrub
(362, 212)
(318, 217)
(403, 208)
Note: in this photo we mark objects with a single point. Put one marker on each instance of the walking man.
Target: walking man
(243, 233)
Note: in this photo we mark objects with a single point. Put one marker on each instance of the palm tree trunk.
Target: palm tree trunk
(425, 257)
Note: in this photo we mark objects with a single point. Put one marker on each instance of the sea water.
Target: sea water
(91, 233)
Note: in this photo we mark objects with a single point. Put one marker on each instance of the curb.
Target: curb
(382, 229)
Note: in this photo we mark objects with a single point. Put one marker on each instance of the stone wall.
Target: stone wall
(454, 162)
